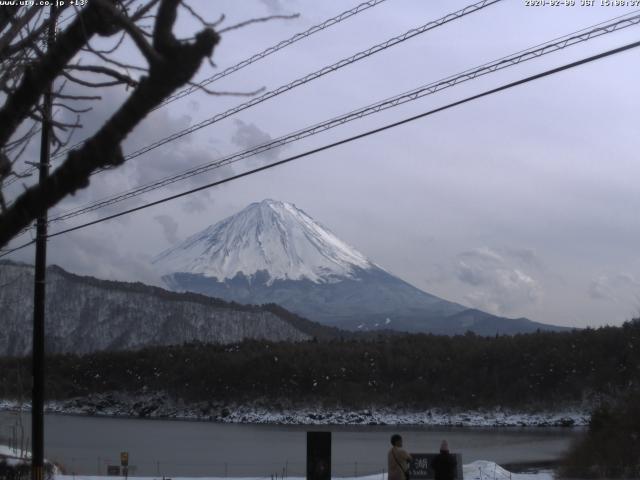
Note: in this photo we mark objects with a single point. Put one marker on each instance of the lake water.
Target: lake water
(86, 445)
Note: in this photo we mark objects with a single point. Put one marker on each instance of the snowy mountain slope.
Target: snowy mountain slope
(269, 236)
(272, 252)
(84, 314)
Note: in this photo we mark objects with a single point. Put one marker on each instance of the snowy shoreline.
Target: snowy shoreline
(161, 408)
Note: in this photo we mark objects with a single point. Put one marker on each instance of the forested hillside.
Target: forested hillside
(85, 314)
(541, 369)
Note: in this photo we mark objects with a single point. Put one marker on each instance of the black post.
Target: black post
(318, 456)
(37, 402)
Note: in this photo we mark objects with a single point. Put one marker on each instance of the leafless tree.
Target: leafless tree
(28, 65)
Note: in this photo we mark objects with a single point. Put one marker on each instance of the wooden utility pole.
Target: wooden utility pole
(37, 398)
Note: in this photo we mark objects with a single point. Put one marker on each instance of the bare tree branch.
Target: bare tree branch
(177, 64)
(226, 94)
(15, 29)
(76, 97)
(143, 10)
(199, 17)
(134, 32)
(104, 71)
(87, 83)
(89, 48)
(24, 42)
(14, 144)
(102, 56)
(72, 109)
(91, 20)
(258, 20)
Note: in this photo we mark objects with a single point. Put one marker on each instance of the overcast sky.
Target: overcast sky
(524, 203)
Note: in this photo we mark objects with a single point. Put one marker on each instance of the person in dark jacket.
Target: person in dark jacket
(444, 464)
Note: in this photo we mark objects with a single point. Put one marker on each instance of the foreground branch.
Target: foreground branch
(176, 65)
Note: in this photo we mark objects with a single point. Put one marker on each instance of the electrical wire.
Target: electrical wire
(315, 75)
(238, 66)
(268, 51)
(415, 94)
(368, 133)
(472, 8)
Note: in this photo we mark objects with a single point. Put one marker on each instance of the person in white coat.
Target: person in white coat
(398, 459)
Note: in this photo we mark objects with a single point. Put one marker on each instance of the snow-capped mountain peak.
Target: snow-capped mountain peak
(270, 236)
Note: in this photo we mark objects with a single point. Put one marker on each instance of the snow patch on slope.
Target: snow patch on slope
(270, 236)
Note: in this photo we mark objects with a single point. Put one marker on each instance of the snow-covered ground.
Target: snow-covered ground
(9, 454)
(479, 470)
(154, 406)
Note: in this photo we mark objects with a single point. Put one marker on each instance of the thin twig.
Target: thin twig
(89, 48)
(104, 71)
(76, 97)
(134, 32)
(258, 20)
(223, 93)
(71, 109)
(65, 143)
(199, 17)
(115, 62)
(85, 83)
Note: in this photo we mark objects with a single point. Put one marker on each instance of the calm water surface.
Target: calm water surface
(86, 445)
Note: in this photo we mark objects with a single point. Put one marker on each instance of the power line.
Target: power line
(268, 51)
(368, 133)
(317, 74)
(415, 94)
(313, 76)
(238, 66)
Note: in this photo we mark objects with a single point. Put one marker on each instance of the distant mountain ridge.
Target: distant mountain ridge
(273, 252)
(85, 314)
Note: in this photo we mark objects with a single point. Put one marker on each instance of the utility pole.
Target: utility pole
(37, 398)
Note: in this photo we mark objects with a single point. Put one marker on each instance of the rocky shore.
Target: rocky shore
(161, 406)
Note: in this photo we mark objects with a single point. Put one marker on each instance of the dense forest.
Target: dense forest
(611, 447)
(543, 369)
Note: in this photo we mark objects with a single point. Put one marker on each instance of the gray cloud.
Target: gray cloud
(194, 205)
(437, 273)
(525, 256)
(248, 135)
(495, 172)
(169, 227)
(499, 286)
(274, 7)
(101, 254)
(622, 288)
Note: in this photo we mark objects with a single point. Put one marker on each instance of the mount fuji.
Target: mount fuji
(273, 252)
